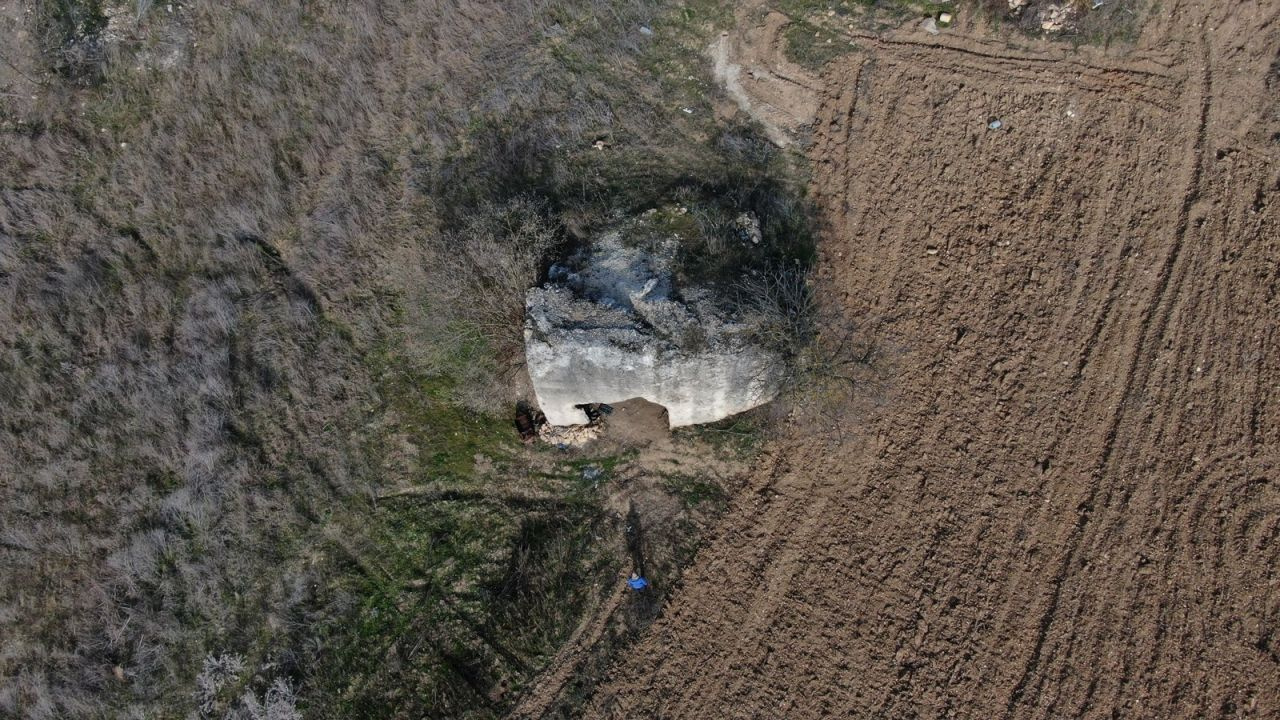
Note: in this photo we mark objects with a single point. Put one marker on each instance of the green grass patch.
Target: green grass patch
(817, 33)
(448, 436)
(1118, 22)
(448, 604)
(814, 46)
(738, 436)
(457, 605)
(695, 492)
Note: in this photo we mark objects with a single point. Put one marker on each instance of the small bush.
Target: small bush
(278, 703)
(512, 199)
(780, 307)
(814, 46)
(71, 37)
(482, 271)
(216, 675)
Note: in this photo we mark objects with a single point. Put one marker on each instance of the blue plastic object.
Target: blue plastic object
(638, 583)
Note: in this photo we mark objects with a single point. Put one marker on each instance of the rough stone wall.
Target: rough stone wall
(571, 366)
(609, 328)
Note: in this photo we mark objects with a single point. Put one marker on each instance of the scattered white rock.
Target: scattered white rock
(747, 226)
(569, 436)
(1055, 17)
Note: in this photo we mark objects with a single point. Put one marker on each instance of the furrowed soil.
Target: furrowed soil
(1065, 502)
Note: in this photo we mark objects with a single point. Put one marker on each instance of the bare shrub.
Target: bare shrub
(745, 177)
(779, 306)
(216, 674)
(278, 703)
(832, 366)
(222, 674)
(484, 268)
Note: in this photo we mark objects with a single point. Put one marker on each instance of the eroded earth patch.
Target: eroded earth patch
(1066, 504)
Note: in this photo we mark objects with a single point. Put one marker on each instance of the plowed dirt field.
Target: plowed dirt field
(1067, 502)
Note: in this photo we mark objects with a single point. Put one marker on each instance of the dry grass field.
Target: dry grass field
(229, 335)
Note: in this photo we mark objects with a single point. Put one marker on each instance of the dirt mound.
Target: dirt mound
(1068, 505)
(637, 423)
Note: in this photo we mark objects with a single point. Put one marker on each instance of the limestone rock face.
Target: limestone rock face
(609, 326)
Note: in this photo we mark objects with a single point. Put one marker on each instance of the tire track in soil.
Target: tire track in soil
(560, 670)
(1145, 78)
(1055, 513)
(784, 513)
(1160, 298)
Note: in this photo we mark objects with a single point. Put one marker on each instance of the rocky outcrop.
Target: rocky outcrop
(610, 326)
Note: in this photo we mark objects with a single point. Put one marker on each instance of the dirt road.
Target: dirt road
(1068, 503)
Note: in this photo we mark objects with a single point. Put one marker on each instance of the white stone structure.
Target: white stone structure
(608, 328)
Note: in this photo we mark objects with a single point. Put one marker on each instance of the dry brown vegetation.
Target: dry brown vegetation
(492, 259)
(227, 237)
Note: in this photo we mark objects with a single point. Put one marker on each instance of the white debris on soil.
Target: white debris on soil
(1055, 17)
(569, 435)
(748, 228)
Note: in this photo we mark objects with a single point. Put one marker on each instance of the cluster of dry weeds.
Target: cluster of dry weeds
(253, 256)
(200, 250)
